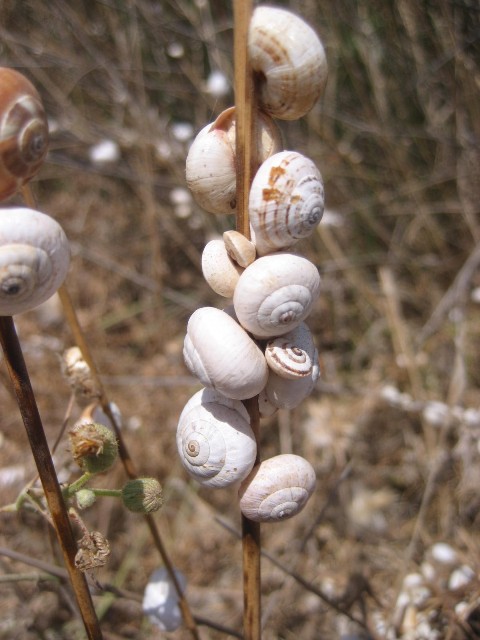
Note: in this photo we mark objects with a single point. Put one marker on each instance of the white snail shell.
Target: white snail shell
(23, 131)
(210, 164)
(288, 393)
(289, 60)
(223, 355)
(286, 201)
(275, 294)
(160, 599)
(215, 442)
(292, 355)
(277, 489)
(218, 268)
(239, 248)
(34, 259)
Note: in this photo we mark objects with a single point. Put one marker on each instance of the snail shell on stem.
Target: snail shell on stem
(289, 61)
(275, 294)
(292, 355)
(218, 269)
(277, 489)
(286, 201)
(210, 164)
(34, 259)
(23, 131)
(215, 442)
(287, 393)
(223, 355)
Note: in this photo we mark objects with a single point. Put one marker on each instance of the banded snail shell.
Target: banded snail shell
(34, 259)
(288, 393)
(210, 164)
(286, 201)
(215, 442)
(223, 355)
(289, 61)
(275, 294)
(23, 131)
(277, 489)
(292, 355)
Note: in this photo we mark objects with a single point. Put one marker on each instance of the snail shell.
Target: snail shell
(286, 201)
(23, 131)
(34, 259)
(210, 164)
(275, 294)
(215, 442)
(288, 393)
(292, 355)
(239, 248)
(223, 355)
(277, 489)
(289, 60)
(218, 268)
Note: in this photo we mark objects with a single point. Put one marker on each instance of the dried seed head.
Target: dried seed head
(85, 498)
(94, 446)
(142, 495)
(79, 377)
(93, 551)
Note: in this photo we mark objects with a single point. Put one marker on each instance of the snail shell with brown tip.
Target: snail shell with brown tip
(218, 269)
(277, 489)
(23, 131)
(223, 356)
(292, 355)
(288, 393)
(286, 201)
(210, 164)
(214, 439)
(289, 60)
(34, 259)
(275, 294)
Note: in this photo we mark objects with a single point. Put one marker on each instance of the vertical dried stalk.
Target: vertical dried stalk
(245, 168)
(127, 461)
(46, 470)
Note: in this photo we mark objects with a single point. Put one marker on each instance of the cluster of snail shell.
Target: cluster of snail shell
(260, 344)
(34, 251)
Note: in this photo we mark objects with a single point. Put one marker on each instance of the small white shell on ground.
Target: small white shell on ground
(277, 489)
(287, 393)
(215, 442)
(34, 259)
(160, 600)
(286, 201)
(289, 61)
(218, 268)
(210, 164)
(292, 355)
(275, 294)
(223, 356)
(239, 248)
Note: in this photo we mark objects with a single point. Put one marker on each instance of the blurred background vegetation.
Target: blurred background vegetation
(397, 139)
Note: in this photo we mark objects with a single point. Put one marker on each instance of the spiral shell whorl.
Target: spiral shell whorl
(23, 132)
(286, 201)
(292, 355)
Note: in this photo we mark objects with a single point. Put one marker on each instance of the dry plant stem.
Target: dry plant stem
(127, 461)
(41, 453)
(245, 168)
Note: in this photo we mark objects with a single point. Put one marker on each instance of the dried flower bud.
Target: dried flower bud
(93, 551)
(85, 498)
(142, 495)
(79, 377)
(94, 446)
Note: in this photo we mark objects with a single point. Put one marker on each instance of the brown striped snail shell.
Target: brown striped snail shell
(289, 61)
(23, 131)
(34, 259)
(286, 201)
(210, 164)
(292, 355)
(287, 393)
(277, 489)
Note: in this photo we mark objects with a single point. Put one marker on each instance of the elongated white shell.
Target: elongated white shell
(292, 355)
(214, 440)
(218, 268)
(210, 164)
(289, 60)
(160, 600)
(286, 201)
(285, 393)
(275, 294)
(223, 355)
(277, 489)
(34, 259)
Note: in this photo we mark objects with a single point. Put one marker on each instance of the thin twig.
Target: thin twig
(33, 425)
